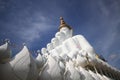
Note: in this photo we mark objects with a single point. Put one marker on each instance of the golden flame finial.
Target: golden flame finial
(63, 24)
(61, 18)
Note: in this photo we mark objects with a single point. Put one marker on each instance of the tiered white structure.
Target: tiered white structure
(66, 57)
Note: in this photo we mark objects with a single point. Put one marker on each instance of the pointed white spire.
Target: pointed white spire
(5, 53)
(39, 60)
(24, 65)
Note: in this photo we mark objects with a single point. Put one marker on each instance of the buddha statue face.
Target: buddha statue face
(60, 36)
(49, 46)
(55, 41)
(65, 30)
(57, 34)
(43, 50)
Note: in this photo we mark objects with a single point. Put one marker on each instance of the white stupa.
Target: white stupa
(66, 57)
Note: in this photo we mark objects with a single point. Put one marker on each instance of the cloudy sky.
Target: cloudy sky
(35, 22)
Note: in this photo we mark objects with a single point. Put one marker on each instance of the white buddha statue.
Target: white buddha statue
(84, 44)
(43, 51)
(60, 36)
(49, 46)
(55, 42)
(66, 31)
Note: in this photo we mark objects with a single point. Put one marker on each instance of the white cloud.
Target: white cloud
(35, 30)
(38, 23)
(114, 56)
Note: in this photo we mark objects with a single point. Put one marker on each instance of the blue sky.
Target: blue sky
(35, 22)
